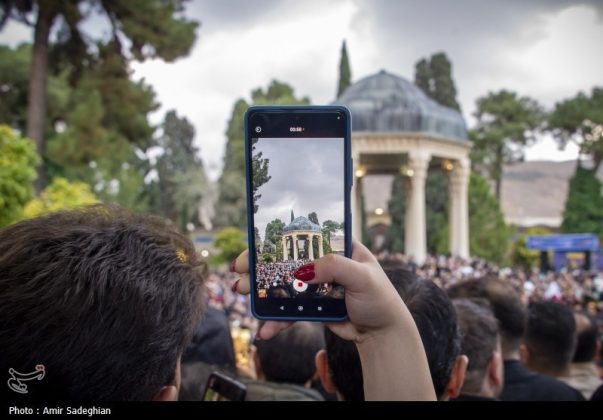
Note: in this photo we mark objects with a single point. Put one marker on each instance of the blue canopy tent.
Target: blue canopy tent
(561, 244)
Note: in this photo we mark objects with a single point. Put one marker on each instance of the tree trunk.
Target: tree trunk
(38, 75)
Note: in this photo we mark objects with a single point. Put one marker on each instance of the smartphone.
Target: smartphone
(299, 180)
(220, 387)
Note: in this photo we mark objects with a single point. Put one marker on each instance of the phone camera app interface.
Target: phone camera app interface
(298, 197)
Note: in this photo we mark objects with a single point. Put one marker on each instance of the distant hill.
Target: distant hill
(533, 193)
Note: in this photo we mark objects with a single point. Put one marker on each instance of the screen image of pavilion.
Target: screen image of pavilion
(298, 214)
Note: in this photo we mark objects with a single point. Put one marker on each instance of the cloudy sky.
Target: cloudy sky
(304, 172)
(546, 49)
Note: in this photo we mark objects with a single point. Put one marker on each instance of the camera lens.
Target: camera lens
(258, 129)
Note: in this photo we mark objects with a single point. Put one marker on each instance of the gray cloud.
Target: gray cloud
(307, 176)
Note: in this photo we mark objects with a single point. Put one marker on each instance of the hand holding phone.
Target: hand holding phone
(299, 177)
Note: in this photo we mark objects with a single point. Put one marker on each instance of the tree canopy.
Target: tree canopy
(583, 211)
(434, 77)
(140, 29)
(231, 201)
(580, 119)
(506, 123)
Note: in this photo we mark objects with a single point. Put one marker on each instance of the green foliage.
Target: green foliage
(150, 29)
(580, 119)
(583, 211)
(523, 257)
(434, 77)
(274, 231)
(60, 194)
(259, 168)
(14, 80)
(230, 242)
(488, 233)
(97, 127)
(231, 200)
(505, 124)
(18, 159)
(345, 74)
(181, 178)
(313, 217)
(436, 211)
(394, 238)
(328, 227)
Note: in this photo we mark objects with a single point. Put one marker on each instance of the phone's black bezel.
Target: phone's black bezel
(225, 386)
(316, 121)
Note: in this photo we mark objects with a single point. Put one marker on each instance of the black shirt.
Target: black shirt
(524, 385)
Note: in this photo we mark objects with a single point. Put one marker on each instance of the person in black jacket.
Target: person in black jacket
(520, 383)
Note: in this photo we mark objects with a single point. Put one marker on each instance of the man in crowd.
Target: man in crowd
(101, 300)
(339, 365)
(520, 384)
(480, 342)
(584, 375)
(285, 365)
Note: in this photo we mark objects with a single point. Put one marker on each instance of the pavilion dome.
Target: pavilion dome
(302, 223)
(387, 103)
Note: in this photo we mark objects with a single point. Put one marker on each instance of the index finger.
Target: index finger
(241, 263)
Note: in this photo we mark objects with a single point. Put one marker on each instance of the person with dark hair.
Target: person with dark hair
(285, 365)
(104, 300)
(549, 339)
(338, 367)
(519, 383)
(432, 311)
(480, 342)
(584, 375)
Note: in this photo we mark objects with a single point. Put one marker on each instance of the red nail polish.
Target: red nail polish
(235, 286)
(233, 266)
(305, 272)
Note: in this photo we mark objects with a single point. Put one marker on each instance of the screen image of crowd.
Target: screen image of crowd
(276, 280)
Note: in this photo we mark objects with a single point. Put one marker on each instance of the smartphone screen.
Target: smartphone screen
(299, 181)
(222, 388)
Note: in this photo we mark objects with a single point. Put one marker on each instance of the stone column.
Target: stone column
(294, 238)
(285, 256)
(310, 247)
(416, 230)
(356, 197)
(320, 253)
(458, 217)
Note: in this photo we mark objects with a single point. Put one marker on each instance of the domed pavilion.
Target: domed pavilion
(301, 228)
(397, 129)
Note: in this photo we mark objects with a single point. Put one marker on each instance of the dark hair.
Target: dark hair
(289, 357)
(506, 306)
(550, 335)
(479, 340)
(435, 318)
(104, 299)
(344, 367)
(436, 321)
(586, 345)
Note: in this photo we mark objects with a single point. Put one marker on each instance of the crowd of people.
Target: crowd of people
(90, 294)
(276, 280)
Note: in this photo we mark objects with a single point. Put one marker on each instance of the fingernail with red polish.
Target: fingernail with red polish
(235, 286)
(233, 266)
(305, 272)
